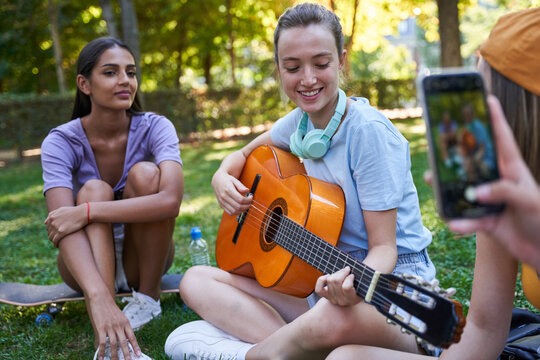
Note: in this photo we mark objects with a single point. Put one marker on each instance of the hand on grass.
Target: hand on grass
(110, 324)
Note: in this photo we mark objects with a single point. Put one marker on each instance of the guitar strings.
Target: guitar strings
(274, 224)
(255, 221)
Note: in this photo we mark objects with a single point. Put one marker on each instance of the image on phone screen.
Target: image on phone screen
(461, 140)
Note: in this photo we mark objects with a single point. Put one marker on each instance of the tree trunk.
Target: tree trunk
(231, 41)
(207, 67)
(449, 33)
(350, 41)
(57, 48)
(108, 15)
(130, 31)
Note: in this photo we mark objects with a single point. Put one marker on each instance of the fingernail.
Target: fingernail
(483, 190)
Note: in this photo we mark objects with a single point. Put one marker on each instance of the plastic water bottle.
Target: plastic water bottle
(198, 248)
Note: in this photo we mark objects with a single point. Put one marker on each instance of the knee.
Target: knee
(95, 190)
(194, 281)
(330, 324)
(143, 179)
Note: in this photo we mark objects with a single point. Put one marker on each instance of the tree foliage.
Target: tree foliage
(214, 43)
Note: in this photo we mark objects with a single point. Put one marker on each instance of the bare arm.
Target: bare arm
(165, 204)
(490, 312)
(230, 192)
(382, 256)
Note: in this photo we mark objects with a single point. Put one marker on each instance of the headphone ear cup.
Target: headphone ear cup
(314, 145)
(296, 144)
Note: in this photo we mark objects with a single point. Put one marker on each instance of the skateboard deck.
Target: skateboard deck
(54, 296)
(20, 294)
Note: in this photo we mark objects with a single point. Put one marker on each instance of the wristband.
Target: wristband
(88, 212)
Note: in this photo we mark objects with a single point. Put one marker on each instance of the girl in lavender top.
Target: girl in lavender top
(113, 183)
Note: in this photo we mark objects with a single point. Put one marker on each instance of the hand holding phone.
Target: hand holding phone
(461, 145)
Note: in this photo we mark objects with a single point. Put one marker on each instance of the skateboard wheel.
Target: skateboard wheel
(44, 319)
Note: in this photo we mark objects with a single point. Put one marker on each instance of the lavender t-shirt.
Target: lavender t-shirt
(68, 160)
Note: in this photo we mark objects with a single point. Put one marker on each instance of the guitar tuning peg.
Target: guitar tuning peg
(425, 344)
(405, 331)
(434, 284)
(388, 321)
(450, 291)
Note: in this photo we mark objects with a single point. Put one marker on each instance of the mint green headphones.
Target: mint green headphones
(315, 144)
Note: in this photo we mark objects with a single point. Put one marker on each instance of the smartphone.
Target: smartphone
(460, 142)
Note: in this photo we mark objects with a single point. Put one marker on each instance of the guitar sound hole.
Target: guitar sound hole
(272, 224)
(272, 219)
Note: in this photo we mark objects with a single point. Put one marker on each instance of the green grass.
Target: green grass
(28, 256)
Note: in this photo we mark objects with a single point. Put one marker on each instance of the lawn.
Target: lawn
(28, 256)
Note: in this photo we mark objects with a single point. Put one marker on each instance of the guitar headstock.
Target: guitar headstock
(421, 308)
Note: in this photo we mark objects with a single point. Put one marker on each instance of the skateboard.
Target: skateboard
(54, 296)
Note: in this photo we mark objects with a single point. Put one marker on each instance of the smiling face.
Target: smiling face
(309, 66)
(113, 82)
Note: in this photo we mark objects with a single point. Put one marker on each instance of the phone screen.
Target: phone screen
(462, 149)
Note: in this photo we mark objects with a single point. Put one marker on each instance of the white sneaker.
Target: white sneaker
(200, 340)
(141, 309)
(120, 353)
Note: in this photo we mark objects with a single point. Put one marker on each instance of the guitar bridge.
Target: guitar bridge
(241, 217)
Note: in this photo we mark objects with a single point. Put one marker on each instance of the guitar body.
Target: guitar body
(531, 285)
(283, 189)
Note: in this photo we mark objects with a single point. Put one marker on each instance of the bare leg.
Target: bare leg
(354, 352)
(233, 303)
(148, 247)
(317, 332)
(99, 236)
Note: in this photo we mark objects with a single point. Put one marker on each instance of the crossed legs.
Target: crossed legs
(282, 326)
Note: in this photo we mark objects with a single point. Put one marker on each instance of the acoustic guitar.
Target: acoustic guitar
(288, 237)
(530, 282)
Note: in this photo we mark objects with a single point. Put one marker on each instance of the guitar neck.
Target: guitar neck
(320, 254)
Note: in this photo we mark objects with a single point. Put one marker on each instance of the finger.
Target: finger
(123, 344)
(101, 346)
(348, 283)
(467, 226)
(113, 343)
(428, 177)
(320, 285)
(134, 343)
(241, 188)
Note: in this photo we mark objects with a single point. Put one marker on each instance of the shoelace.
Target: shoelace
(132, 301)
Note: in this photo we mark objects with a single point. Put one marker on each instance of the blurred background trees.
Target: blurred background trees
(224, 43)
(209, 63)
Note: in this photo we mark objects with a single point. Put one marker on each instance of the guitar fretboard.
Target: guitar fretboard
(320, 254)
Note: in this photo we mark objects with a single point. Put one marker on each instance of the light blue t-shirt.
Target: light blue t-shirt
(68, 160)
(369, 159)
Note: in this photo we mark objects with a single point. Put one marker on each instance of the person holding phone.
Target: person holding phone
(113, 184)
(511, 70)
(368, 158)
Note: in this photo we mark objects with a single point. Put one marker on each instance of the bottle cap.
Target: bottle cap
(196, 233)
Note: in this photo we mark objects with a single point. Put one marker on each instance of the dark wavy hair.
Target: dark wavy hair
(88, 57)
